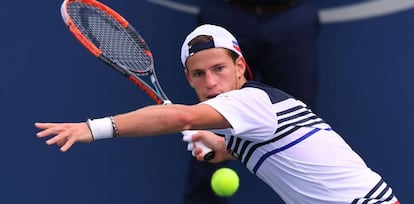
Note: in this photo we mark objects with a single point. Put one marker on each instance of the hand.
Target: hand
(213, 141)
(65, 134)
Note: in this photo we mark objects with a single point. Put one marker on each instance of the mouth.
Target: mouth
(211, 96)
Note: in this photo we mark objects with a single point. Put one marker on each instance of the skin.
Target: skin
(210, 72)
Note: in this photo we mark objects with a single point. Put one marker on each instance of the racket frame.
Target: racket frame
(156, 92)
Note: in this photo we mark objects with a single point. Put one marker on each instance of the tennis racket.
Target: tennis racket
(110, 38)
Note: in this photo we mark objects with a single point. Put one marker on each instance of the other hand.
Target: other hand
(213, 141)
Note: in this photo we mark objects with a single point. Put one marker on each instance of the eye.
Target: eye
(218, 68)
(197, 74)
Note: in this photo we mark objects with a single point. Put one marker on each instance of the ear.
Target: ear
(187, 75)
(241, 66)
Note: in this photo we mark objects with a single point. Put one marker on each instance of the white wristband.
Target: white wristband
(101, 128)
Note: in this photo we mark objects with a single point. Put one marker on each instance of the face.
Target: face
(212, 72)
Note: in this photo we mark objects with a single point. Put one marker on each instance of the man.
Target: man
(279, 40)
(276, 136)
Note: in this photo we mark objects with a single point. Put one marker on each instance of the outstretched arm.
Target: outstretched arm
(148, 121)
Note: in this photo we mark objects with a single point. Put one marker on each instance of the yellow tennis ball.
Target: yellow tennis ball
(225, 182)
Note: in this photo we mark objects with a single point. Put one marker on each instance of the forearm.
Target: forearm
(153, 120)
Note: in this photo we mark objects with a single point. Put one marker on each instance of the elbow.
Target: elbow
(186, 120)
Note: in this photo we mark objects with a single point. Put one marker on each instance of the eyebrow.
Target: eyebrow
(204, 70)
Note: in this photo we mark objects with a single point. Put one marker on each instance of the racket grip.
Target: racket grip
(207, 152)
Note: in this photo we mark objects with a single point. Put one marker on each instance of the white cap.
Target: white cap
(221, 39)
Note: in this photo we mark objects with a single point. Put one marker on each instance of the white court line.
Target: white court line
(351, 12)
(185, 8)
(364, 10)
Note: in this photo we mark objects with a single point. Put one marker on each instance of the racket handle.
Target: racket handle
(207, 152)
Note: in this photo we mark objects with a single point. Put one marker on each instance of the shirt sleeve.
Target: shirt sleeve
(249, 112)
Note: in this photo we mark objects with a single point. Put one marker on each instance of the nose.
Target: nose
(210, 80)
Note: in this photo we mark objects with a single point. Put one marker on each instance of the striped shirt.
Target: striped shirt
(293, 150)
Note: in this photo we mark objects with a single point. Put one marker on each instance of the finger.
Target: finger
(60, 143)
(39, 125)
(198, 153)
(59, 138)
(190, 146)
(187, 138)
(51, 141)
(67, 145)
(43, 133)
(200, 157)
(44, 125)
(50, 130)
(196, 137)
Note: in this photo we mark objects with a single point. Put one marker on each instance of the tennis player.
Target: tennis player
(274, 135)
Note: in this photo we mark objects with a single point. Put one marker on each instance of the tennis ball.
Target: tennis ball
(224, 182)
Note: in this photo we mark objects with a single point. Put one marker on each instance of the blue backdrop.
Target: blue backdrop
(365, 80)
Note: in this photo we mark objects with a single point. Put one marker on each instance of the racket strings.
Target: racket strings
(111, 38)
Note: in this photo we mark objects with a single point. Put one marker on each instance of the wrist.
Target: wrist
(102, 128)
